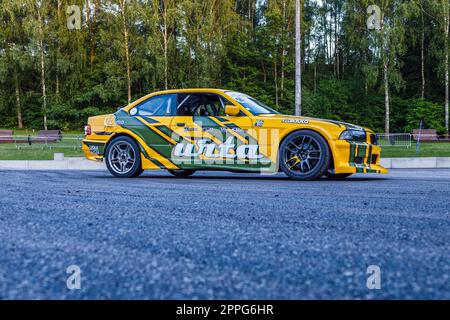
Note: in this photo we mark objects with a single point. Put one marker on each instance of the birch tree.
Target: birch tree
(441, 15)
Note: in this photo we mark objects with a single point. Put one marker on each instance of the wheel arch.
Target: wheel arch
(319, 132)
(121, 134)
(146, 162)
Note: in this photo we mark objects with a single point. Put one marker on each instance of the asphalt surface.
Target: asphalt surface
(224, 236)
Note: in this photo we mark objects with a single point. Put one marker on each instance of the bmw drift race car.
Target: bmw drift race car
(209, 129)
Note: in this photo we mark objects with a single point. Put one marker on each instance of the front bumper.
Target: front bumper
(356, 157)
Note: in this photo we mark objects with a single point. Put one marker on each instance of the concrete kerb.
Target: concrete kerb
(416, 163)
(84, 164)
(66, 164)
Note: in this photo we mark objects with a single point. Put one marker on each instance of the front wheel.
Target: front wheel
(304, 155)
(182, 173)
(123, 158)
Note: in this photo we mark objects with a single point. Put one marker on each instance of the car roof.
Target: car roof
(193, 90)
(173, 91)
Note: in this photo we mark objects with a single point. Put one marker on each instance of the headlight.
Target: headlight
(353, 135)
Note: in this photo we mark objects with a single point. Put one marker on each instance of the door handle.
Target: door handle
(180, 124)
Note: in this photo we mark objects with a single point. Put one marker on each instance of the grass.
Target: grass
(35, 153)
(70, 146)
(427, 149)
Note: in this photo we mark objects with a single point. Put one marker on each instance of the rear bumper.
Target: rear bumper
(93, 149)
(356, 157)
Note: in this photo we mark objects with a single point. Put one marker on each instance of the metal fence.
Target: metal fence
(394, 139)
(24, 142)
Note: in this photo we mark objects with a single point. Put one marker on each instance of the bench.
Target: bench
(6, 136)
(46, 136)
(425, 135)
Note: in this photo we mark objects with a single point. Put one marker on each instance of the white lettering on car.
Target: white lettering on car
(212, 150)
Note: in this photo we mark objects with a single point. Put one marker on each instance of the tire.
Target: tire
(123, 157)
(337, 176)
(304, 155)
(182, 173)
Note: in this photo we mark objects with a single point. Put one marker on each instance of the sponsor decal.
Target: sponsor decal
(235, 129)
(94, 149)
(213, 150)
(190, 129)
(298, 121)
(259, 123)
(110, 121)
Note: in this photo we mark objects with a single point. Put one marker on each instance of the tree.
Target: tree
(441, 14)
(298, 59)
(125, 30)
(13, 41)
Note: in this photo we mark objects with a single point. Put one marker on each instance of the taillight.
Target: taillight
(87, 130)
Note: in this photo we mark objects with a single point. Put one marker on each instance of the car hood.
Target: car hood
(317, 121)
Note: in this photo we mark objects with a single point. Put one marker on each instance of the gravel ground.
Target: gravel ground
(224, 236)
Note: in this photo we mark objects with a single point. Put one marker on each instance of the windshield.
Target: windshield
(251, 104)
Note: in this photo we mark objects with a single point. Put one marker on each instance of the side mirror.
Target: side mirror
(231, 110)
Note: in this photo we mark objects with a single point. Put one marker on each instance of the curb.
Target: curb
(84, 164)
(66, 164)
(416, 163)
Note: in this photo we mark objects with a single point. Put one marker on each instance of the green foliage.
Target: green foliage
(432, 115)
(244, 45)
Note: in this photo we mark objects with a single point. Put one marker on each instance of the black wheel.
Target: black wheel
(304, 155)
(182, 173)
(337, 176)
(123, 157)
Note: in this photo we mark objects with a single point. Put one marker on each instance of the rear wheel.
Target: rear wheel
(304, 155)
(123, 158)
(182, 173)
(337, 176)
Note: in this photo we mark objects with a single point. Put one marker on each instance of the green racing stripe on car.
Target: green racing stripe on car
(352, 153)
(150, 120)
(170, 133)
(362, 148)
(147, 156)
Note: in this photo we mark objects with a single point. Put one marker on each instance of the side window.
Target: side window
(162, 105)
(198, 104)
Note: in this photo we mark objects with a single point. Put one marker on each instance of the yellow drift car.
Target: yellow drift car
(210, 129)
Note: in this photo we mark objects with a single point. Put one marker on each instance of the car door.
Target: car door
(210, 137)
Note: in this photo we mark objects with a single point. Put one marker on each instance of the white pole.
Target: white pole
(298, 60)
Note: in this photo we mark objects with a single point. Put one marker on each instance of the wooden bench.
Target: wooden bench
(425, 135)
(46, 136)
(6, 136)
